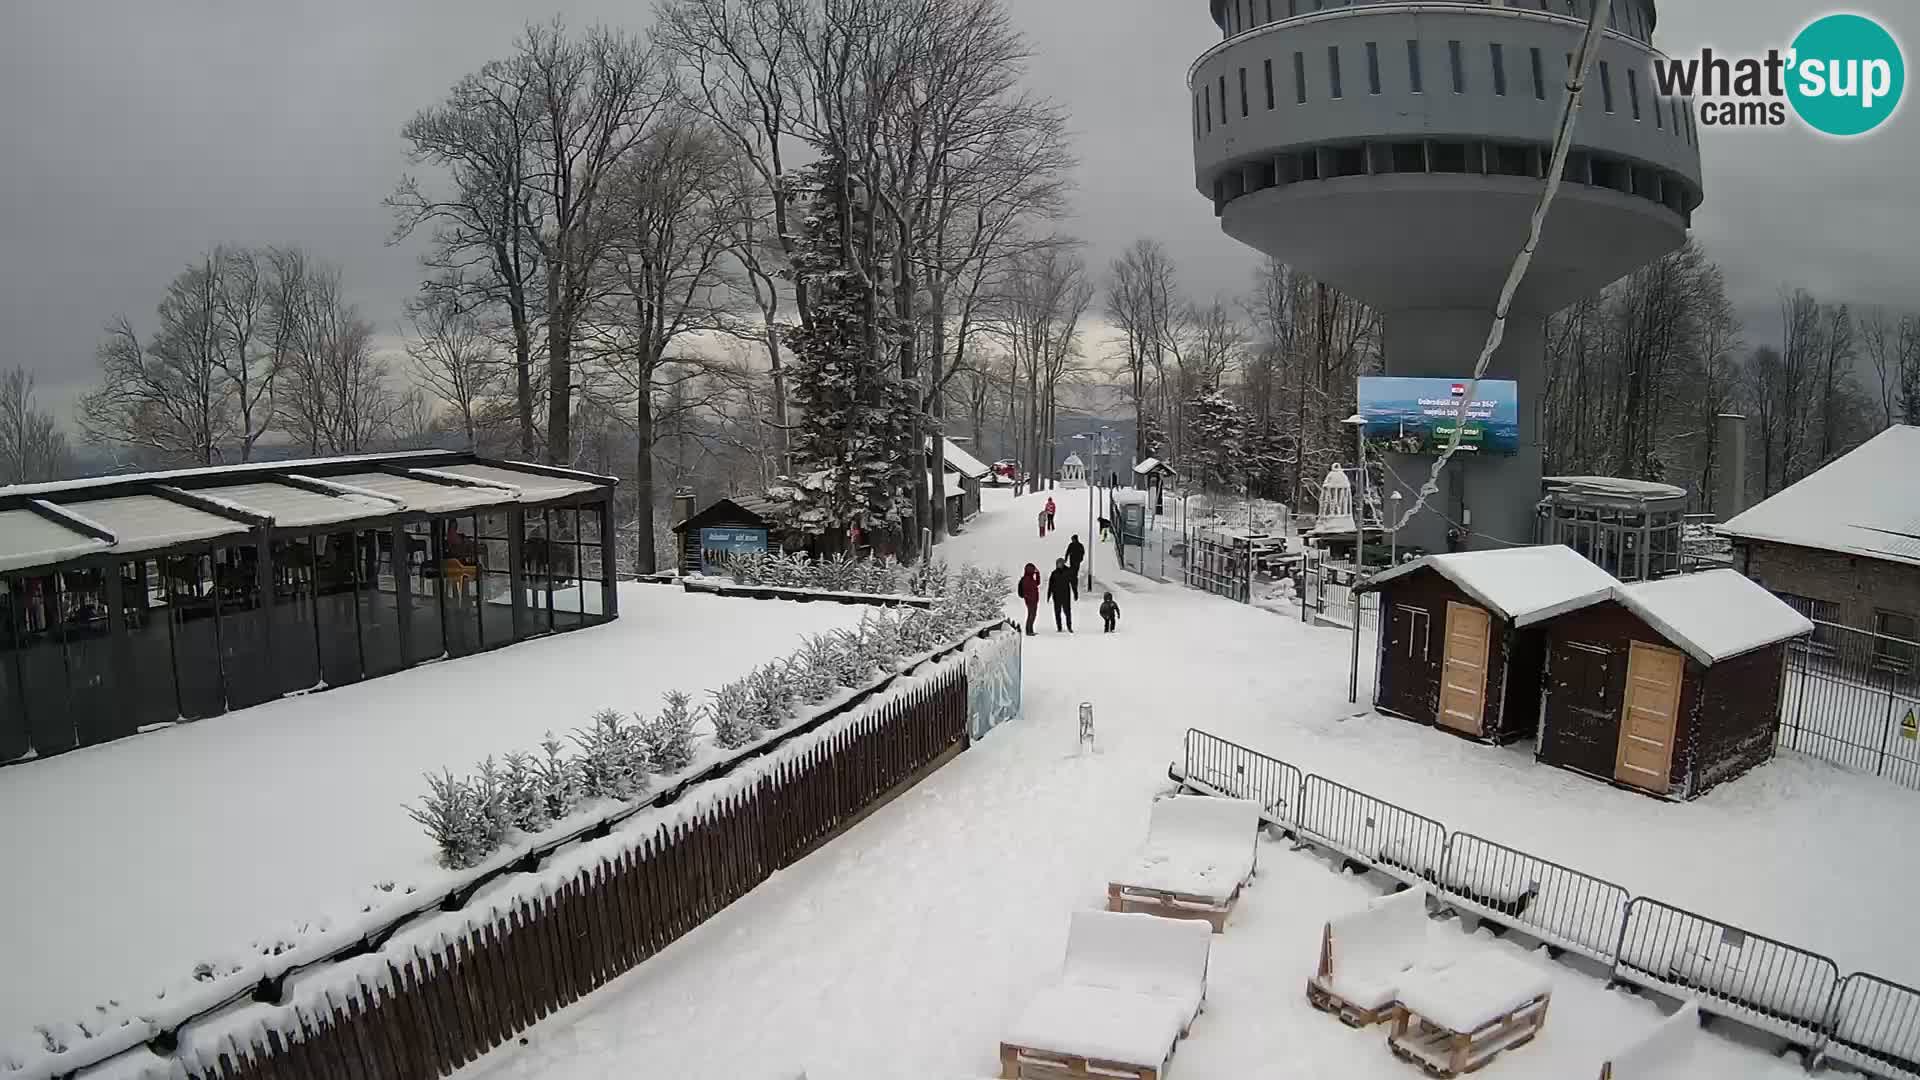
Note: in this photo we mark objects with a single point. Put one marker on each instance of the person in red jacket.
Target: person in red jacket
(1049, 513)
(1030, 592)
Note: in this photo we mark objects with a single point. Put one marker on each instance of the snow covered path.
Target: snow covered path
(906, 946)
(129, 863)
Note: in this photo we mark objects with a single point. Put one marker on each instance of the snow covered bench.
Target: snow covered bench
(1456, 1019)
(1198, 854)
(1665, 1053)
(1130, 987)
(1365, 955)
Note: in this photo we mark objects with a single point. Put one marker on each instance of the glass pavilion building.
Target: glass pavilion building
(133, 601)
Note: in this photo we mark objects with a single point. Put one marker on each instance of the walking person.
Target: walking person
(1060, 591)
(1030, 592)
(1043, 524)
(1109, 612)
(1050, 509)
(1076, 554)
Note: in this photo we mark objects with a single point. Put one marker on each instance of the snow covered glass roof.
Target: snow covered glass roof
(147, 522)
(1715, 615)
(958, 460)
(28, 539)
(1865, 503)
(533, 486)
(292, 507)
(424, 496)
(1525, 585)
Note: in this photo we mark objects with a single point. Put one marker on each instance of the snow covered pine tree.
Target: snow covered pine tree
(850, 445)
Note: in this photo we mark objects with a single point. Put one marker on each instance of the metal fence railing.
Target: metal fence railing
(1877, 1026)
(1561, 906)
(1235, 772)
(1863, 1020)
(1768, 984)
(1388, 838)
(1848, 696)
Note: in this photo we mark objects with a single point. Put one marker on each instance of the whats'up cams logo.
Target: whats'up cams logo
(1844, 76)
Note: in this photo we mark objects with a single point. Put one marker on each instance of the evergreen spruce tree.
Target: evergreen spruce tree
(849, 448)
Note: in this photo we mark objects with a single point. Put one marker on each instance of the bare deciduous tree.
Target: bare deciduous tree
(166, 396)
(32, 447)
(455, 361)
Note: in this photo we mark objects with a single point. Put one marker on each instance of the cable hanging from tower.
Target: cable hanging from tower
(1562, 145)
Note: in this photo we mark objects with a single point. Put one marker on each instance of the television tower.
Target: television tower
(1396, 151)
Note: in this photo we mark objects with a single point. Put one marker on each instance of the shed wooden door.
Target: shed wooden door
(1648, 718)
(1463, 674)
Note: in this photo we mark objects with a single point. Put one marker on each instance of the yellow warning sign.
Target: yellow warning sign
(1910, 726)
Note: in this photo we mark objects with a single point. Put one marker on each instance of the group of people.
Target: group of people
(1063, 585)
(1046, 519)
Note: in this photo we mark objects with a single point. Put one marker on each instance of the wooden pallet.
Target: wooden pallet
(1442, 1052)
(1033, 1063)
(1321, 997)
(1172, 905)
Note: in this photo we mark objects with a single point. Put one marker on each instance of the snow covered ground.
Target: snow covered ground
(908, 945)
(131, 862)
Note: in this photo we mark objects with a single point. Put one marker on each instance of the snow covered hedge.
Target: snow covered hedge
(616, 756)
(879, 577)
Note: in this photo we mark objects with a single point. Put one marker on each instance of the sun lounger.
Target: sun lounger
(1131, 985)
(1199, 853)
(1456, 1019)
(1365, 955)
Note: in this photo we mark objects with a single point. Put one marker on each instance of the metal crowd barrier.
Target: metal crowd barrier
(1768, 984)
(1561, 906)
(1388, 838)
(1863, 1021)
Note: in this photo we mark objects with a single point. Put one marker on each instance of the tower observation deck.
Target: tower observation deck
(1396, 151)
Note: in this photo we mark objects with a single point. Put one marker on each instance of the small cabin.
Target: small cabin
(1460, 643)
(725, 527)
(1154, 475)
(963, 475)
(1669, 686)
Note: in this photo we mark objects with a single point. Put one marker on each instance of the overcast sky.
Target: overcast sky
(137, 133)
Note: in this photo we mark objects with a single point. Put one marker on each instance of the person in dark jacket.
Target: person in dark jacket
(1076, 554)
(1030, 592)
(1060, 591)
(1109, 612)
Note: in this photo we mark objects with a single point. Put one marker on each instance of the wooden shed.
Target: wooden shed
(723, 527)
(1460, 643)
(1669, 686)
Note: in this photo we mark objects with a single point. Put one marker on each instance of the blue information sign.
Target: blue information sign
(719, 544)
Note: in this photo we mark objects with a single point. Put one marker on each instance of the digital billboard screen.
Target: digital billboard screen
(1417, 416)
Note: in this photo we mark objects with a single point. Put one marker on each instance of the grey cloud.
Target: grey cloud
(137, 134)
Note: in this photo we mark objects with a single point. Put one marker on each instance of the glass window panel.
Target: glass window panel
(378, 592)
(196, 644)
(86, 625)
(335, 604)
(147, 693)
(536, 572)
(460, 570)
(296, 661)
(563, 537)
(244, 662)
(496, 580)
(13, 711)
(592, 567)
(426, 632)
(43, 666)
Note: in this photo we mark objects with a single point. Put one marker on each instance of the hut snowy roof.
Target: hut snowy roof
(1866, 502)
(1715, 615)
(1523, 585)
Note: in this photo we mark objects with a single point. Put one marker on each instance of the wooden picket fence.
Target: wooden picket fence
(440, 1010)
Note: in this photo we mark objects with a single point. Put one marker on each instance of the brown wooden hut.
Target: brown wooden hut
(1669, 686)
(1460, 644)
(726, 527)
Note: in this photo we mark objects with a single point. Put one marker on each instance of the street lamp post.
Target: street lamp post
(1393, 534)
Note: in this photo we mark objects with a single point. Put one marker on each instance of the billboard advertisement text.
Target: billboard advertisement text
(1417, 416)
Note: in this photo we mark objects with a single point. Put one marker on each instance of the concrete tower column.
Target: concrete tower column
(1493, 495)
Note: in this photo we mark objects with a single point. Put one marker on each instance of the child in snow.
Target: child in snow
(1109, 612)
(1043, 524)
(1106, 530)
